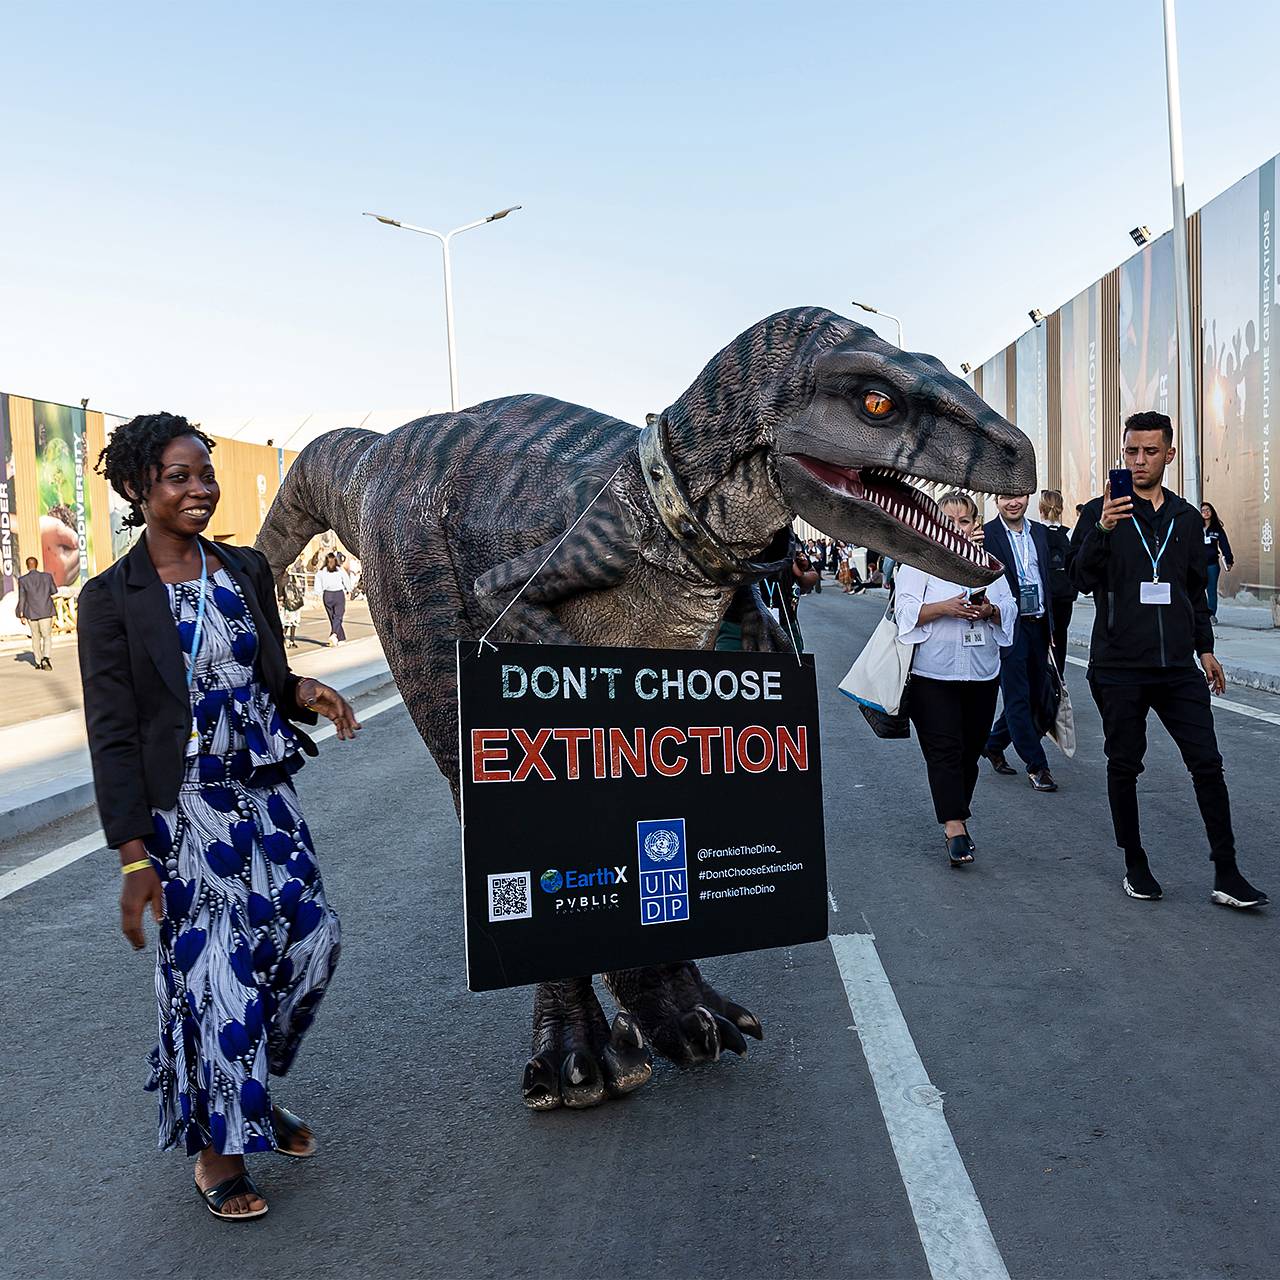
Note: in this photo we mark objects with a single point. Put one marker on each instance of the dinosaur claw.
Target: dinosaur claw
(581, 1080)
(700, 1034)
(730, 1036)
(744, 1020)
(541, 1086)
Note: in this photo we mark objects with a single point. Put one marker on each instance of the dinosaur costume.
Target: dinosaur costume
(805, 413)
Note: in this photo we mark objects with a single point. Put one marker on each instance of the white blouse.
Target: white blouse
(332, 580)
(941, 651)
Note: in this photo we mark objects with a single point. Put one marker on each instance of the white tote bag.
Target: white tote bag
(1063, 730)
(879, 673)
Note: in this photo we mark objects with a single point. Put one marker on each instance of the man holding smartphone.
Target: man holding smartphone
(1141, 558)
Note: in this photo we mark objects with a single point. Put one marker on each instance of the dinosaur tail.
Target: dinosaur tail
(322, 490)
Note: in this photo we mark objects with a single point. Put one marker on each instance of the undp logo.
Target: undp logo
(551, 881)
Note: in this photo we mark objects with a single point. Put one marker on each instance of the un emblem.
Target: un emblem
(662, 845)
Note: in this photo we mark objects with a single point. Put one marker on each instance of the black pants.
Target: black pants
(1024, 667)
(952, 720)
(1185, 711)
(1062, 610)
(335, 605)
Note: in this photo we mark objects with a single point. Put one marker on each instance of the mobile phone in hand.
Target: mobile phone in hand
(1121, 480)
(978, 598)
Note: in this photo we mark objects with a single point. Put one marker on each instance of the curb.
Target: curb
(1263, 681)
(72, 793)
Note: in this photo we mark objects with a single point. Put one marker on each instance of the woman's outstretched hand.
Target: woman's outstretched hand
(140, 889)
(314, 696)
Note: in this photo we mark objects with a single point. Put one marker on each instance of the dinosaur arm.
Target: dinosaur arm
(761, 631)
(594, 557)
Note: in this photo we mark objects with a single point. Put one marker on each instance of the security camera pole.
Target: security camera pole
(444, 238)
(1188, 410)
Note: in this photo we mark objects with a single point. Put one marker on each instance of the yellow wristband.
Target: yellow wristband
(140, 865)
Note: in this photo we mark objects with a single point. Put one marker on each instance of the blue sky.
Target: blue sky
(181, 223)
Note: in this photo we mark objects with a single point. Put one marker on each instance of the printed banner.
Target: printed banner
(63, 498)
(10, 565)
(1081, 479)
(1030, 411)
(627, 807)
(1149, 339)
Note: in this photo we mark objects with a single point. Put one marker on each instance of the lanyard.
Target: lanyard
(1023, 562)
(195, 639)
(1146, 546)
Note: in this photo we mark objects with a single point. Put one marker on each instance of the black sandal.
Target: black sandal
(239, 1185)
(958, 850)
(289, 1127)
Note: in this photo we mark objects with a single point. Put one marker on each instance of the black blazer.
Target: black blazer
(996, 541)
(136, 705)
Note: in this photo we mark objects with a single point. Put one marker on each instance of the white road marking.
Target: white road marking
(48, 863)
(831, 901)
(953, 1228)
(1270, 717)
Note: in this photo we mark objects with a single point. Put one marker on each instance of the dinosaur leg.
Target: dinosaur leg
(578, 1059)
(684, 1018)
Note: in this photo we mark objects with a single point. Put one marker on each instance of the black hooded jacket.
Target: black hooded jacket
(1112, 566)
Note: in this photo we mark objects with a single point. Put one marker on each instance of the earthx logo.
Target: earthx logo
(577, 892)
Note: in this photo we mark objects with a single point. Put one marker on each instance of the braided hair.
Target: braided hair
(132, 456)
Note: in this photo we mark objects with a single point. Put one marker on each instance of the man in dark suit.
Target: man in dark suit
(1023, 548)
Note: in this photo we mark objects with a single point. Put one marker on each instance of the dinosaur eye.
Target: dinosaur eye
(877, 404)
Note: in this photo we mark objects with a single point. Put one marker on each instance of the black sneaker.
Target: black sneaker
(1041, 780)
(999, 763)
(1231, 889)
(1140, 883)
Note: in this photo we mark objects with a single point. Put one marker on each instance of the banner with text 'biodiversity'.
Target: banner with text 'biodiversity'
(9, 562)
(628, 807)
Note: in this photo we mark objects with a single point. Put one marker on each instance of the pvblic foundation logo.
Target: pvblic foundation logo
(664, 871)
(576, 892)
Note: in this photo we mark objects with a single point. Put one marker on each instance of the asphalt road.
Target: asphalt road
(1108, 1067)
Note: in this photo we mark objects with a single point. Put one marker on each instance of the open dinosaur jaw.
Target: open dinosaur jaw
(904, 504)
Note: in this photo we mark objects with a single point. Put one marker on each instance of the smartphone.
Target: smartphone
(978, 598)
(1121, 480)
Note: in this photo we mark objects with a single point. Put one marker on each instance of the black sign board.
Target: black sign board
(626, 807)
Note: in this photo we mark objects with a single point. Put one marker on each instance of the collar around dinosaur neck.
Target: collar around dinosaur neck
(710, 553)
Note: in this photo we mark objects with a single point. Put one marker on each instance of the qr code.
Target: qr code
(510, 897)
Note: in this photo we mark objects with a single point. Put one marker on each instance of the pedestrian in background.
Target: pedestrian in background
(1023, 547)
(293, 593)
(332, 584)
(36, 590)
(191, 712)
(957, 634)
(1062, 592)
(1143, 560)
(1217, 548)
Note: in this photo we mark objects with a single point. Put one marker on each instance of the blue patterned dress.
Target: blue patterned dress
(248, 942)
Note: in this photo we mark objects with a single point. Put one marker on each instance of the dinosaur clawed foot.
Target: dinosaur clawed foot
(683, 1017)
(578, 1059)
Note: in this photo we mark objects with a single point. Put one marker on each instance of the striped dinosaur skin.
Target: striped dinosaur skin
(452, 514)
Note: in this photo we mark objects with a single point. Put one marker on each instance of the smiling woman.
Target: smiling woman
(192, 715)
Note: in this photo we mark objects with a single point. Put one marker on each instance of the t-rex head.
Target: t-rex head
(878, 420)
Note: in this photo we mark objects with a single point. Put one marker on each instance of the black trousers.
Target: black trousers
(335, 605)
(1024, 667)
(1184, 708)
(952, 719)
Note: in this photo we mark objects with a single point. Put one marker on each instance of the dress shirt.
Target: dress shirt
(941, 653)
(1027, 561)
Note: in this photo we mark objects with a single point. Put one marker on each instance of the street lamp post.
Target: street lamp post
(875, 311)
(445, 238)
(1188, 410)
